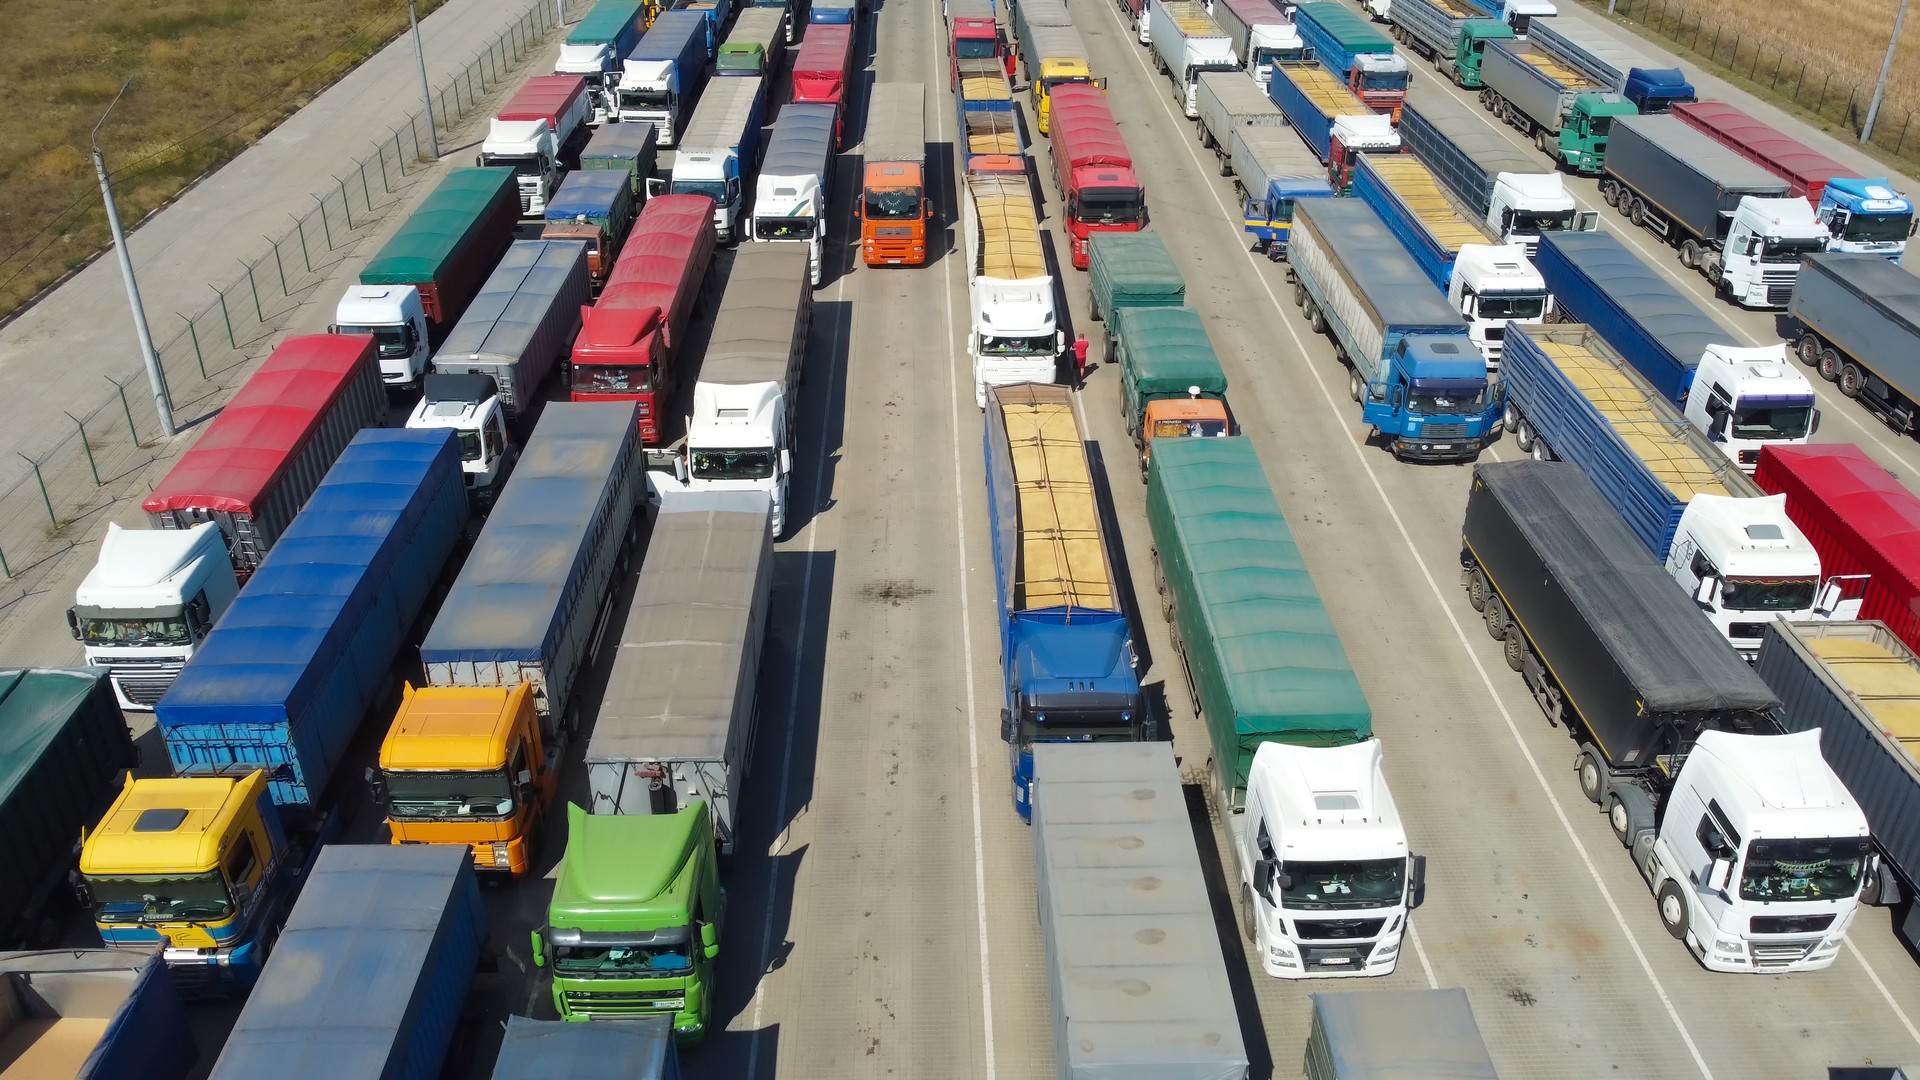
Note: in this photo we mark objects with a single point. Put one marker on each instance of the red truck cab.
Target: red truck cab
(1094, 168)
(975, 38)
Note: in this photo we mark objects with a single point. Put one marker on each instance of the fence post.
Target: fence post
(300, 228)
(325, 225)
(280, 266)
(44, 497)
(194, 336)
(4, 568)
(126, 408)
(255, 290)
(92, 467)
(1902, 140)
(399, 154)
(345, 203)
(228, 319)
(386, 185)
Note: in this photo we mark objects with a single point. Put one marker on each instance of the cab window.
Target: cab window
(242, 867)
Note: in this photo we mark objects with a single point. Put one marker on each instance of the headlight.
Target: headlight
(502, 853)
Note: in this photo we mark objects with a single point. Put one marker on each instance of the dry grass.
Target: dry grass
(210, 77)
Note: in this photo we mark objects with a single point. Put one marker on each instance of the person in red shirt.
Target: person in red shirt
(1080, 346)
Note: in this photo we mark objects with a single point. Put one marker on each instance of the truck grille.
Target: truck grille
(1755, 631)
(1781, 955)
(1333, 958)
(1790, 924)
(623, 1002)
(1779, 284)
(1778, 295)
(1338, 929)
(1443, 431)
(145, 681)
(893, 232)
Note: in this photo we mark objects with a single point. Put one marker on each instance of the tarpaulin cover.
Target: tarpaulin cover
(660, 268)
(640, 1049)
(609, 21)
(545, 97)
(802, 143)
(1132, 269)
(820, 64)
(588, 193)
(1165, 352)
(437, 230)
(1084, 134)
(1807, 169)
(1397, 1035)
(1859, 518)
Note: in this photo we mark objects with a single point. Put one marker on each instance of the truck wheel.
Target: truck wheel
(1523, 437)
(1830, 365)
(1618, 821)
(1591, 776)
(1299, 295)
(1355, 388)
(1610, 193)
(1248, 924)
(1315, 320)
(1690, 254)
(1486, 100)
(1851, 380)
(1495, 614)
(1673, 909)
(1477, 590)
(1636, 210)
(1808, 349)
(1542, 139)
(1542, 452)
(1515, 650)
(1226, 163)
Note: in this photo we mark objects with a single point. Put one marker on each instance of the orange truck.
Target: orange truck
(895, 205)
(1171, 384)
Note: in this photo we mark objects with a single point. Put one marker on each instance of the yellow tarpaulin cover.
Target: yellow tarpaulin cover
(1885, 683)
(1062, 561)
(1009, 231)
(1417, 187)
(1661, 444)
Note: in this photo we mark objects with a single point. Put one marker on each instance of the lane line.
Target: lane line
(1360, 453)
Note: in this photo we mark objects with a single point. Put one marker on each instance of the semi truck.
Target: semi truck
(661, 78)
(1618, 66)
(1362, 1036)
(66, 748)
(1069, 671)
(420, 281)
(1130, 270)
(148, 603)
(1566, 113)
(1189, 42)
(634, 925)
(469, 405)
(1732, 220)
(1507, 191)
(258, 461)
(369, 974)
(538, 134)
(1171, 384)
(595, 47)
(1272, 170)
(1055, 56)
(977, 38)
(1410, 357)
(595, 208)
(822, 71)
(1493, 285)
(632, 150)
(93, 1014)
(521, 326)
(628, 348)
(719, 150)
(1228, 103)
(638, 1048)
(1261, 33)
(756, 44)
(1679, 741)
(1856, 684)
(207, 863)
(1856, 320)
(677, 718)
(833, 13)
(1357, 54)
(1139, 985)
(1732, 548)
(1749, 396)
(1451, 33)
(795, 185)
(1331, 120)
(742, 434)
(1093, 169)
(895, 204)
(1013, 336)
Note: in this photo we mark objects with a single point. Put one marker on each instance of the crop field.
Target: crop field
(209, 77)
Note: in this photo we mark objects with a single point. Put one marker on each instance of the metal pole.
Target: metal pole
(155, 377)
(1886, 69)
(426, 92)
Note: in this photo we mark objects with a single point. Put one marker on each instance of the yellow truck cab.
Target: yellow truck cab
(1057, 73)
(468, 765)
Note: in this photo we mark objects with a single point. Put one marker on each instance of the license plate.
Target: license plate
(1444, 446)
(1335, 961)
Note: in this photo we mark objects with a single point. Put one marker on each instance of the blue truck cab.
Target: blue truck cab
(1867, 217)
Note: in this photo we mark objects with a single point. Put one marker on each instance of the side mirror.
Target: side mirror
(1720, 875)
(1417, 882)
(1827, 601)
(1263, 879)
(1718, 429)
(786, 462)
(1813, 427)
(709, 940)
(82, 896)
(539, 948)
(1006, 725)
(1703, 594)
(73, 624)
(929, 212)
(524, 778)
(1586, 221)
(377, 785)
(333, 328)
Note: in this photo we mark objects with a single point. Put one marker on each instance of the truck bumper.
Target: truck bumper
(1765, 957)
(1286, 959)
(1466, 448)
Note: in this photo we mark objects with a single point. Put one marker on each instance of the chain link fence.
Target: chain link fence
(62, 494)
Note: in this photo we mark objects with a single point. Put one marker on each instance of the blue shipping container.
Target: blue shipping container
(284, 680)
(833, 11)
(639, 1049)
(371, 970)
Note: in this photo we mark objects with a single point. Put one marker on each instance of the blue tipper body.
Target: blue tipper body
(1307, 118)
(684, 39)
(1434, 258)
(284, 680)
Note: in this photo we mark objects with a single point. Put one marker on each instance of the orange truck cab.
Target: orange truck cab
(1171, 382)
(894, 204)
(470, 766)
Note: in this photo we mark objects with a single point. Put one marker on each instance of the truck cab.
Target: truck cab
(1471, 46)
(1757, 264)
(972, 37)
(397, 319)
(715, 174)
(470, 405)
(1327, 886)
(469, 766)
(893, 212)
(1435, 403)
(634, 925)
(1525, 205)
(1745, 564)
(650, 91)
(1747, 398)
(1583, 132)
(1055, 73)
(1381, 81)
(1196, 416)
(1492, 286)
(1070, 684)
(1268, 42)
(1353, 136)
(532, 150)
(1866, 217)
(148, 603)
(740, 438)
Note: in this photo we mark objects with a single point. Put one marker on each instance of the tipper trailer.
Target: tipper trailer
(1856, 320)
(1330, 118)
(92, 1014)
(1505, 188)
(522, 324)
(1013, 335)
(1358, 54)
(1566, 113)
(1451, 33)
(1187, 43)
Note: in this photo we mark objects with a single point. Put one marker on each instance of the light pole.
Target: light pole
(156, 378)
(426, 92)
(1886, 69)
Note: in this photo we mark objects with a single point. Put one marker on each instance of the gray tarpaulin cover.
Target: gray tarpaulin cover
(1396, 1035)
(640, 1049)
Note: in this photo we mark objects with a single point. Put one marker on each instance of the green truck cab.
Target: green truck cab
(1583, 135)
(741, 58)
(1471, 47)
(634, 925)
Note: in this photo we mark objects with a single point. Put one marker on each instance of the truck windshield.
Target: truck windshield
(1266, 57)
(754, 464)
(1768, 594)
(1188, 428)
(431, 796)
(1425, 402)
(1364, 883)
(893, 204)
(1383, 80)
(612, 379)
(1108, 206)
(1877, 228)
(783, 228)
(393, 342)
(975, 48)
(1526, 223)
(1017, 346)
(469, 446)
(621, 959)
(1599, 127)
(633, 97)
(152, 898)
(1773, 423)
(1792, 251)
(1519, 306)
(712, 189)
(521, 164)
(1822, 869)
(169, 630)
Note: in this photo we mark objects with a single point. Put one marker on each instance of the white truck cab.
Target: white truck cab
(787, 209)
(397, 320)
(740, 438)
(1745, 398)
(1326, 882)
(470, 405)
(714, 173)
(1760, 261)
(532, 150)
(148, 603)
(1268, 42)
(1524, 205)
(1745, 563)
(1015, 336)
(649, 91)
(1493, 286)
(595, 63)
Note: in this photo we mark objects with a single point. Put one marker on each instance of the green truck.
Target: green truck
(448, 246)
(633, 928)
(1171, 385)
(1261, 656)
(1130, 269)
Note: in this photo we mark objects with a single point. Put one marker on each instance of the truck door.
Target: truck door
(1713, 840)
(244, 867)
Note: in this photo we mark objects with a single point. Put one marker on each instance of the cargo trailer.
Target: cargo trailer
(1272, 170)
(92, 1014)
(1856, 320)
(523, 323)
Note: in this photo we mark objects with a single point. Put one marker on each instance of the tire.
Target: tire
(1542, 142)
(1478, 592)
(1494, 614)
(1514, 648)
(1830, 365)
(1247, 921)
(1617, 821)
(1299, 295)
(1672, 905)
(1690, 254)
(1542, 452)
(1524, 438)
(1316, 321)
(1592, 776)
(1355, 388)
(1511, 417)
(1636, 211)
(1610, 194)
(1808, 349)
(1486, 100)
(1851, 380)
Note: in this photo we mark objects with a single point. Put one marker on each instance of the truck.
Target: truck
(822, 70)
(258, 461)
(628, 348)
(1171, 384)
(1858, 516)
(1139, 985)
(977, 38)
(369, 975)
(988, 142)
(1505, 189)
(1410, 358)
(1567, 114)
(596, 209)
(661, 78)
(595, 47)
(1492, 284)
(1451, 33)
(1731, 547)
(1069, 670)
(1093, 169)
(1732, 220)
(1331, 120)
(420, 281)
(1272, 170)
(1055, 56)
(719, 150)
(1013, 334)
(741, 435)
(1519, 14)
(93, 1014)
(538, 135)
(1368, 1036)
(755, 45)
(521, 326)
(895, 203)
(1228, 103)
(207, 862)
(1189, 42)
(148, 602)
(1752, 396)
(1620, 66)
(1130, 270)
(833, 13)
(640, 1048)
(630, 149)
(1855, 319)
(1357, 54)
(64, 748)
(1261, 33)
(795, 185)
(1679, 740)
(677, 718)
(469, 406)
